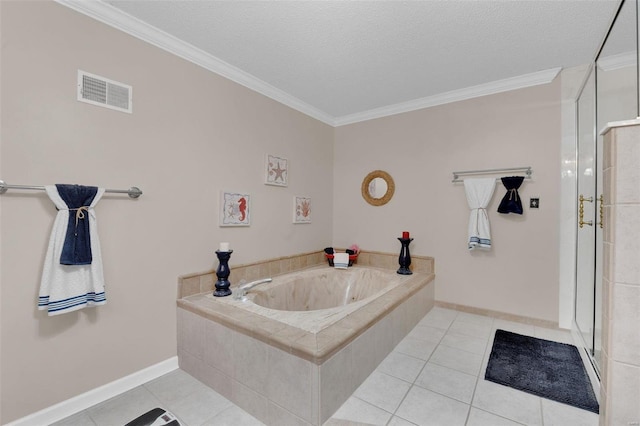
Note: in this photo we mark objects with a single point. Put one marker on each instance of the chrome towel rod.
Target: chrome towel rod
(526, 170)
(132, 192)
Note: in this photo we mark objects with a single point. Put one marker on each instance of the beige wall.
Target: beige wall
(420, 150)
(191, 134)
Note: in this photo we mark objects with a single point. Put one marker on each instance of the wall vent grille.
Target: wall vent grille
(101, 91)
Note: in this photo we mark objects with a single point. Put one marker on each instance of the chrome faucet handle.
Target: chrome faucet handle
(240, 292)
(244, 287)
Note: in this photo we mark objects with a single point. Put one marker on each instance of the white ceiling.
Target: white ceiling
(340, 60)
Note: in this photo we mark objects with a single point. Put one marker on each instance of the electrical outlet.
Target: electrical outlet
(534, 203)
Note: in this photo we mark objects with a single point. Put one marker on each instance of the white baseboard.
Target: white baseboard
(95, 396)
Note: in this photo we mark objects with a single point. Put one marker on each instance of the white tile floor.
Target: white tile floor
(435, 376)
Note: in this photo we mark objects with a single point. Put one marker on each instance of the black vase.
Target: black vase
(223, 271)
(405, 257)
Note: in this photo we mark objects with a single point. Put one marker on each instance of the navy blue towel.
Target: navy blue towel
(511, 202)
(77, 242)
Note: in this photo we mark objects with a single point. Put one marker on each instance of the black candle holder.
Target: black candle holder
(223, 271)
(405, 257)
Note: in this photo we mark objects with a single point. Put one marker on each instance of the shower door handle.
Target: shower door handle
(581, 221)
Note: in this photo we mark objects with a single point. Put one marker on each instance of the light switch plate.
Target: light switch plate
(534, 203)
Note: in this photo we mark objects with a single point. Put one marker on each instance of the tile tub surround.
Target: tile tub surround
(295, 332)
(282, 374)
(200, 282)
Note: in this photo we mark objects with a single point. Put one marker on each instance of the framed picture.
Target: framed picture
(235, 209)
(277, 171)
(301, 210)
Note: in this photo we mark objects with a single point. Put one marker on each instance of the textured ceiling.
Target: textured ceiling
(347, 57)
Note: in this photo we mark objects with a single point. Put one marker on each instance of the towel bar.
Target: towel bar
(527, 170)
(133, 192)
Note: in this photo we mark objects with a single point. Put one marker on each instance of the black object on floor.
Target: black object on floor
(544, 368)
(155, 417)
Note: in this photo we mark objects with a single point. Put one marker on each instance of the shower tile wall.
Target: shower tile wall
(620, 385)
(201, 282)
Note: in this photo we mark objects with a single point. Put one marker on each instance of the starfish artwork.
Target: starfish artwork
(277, 171)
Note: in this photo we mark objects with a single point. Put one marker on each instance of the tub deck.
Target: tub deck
(312, 335)
(278, 366)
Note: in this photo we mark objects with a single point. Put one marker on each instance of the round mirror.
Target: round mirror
(378, 188)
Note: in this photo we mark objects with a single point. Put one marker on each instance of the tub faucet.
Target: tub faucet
(241, 292)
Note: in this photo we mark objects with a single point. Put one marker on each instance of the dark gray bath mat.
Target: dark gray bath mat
(541, 367)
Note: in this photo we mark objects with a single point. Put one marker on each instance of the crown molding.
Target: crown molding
(122, 21)
(621, 60)
(513, 83)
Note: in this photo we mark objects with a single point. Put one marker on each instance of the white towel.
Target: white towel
(66, 288)
(341, 260)
(479, 193)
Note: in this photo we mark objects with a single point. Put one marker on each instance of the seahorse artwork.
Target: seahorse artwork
(242, 207)
(235, 209)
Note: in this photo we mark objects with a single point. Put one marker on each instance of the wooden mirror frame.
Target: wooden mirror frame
(391, 188)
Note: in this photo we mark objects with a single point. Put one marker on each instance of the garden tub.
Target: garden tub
(296, 348)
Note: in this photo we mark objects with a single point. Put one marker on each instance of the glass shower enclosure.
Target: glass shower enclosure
(610, 92)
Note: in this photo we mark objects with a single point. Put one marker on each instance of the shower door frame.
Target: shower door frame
(592, 236)
(588, 240)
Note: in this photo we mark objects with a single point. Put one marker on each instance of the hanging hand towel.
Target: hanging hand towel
(72, 275)
(511, 202)
(341, 260)
(479, 192)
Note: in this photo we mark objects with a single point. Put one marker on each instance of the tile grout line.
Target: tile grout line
(403, 380)
(412, 384)
(421, 370)
(475, 387)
